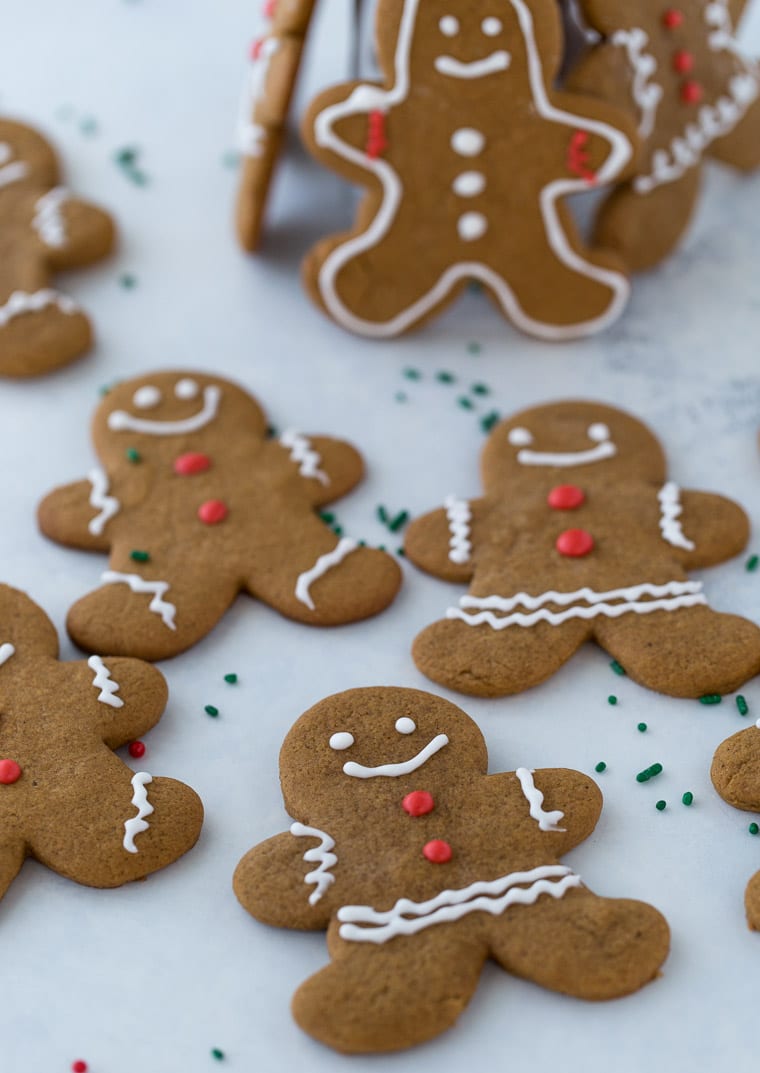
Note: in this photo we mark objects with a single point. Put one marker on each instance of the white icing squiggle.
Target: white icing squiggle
(406, 767)
(669, 498)
(48, 219)
(646, 94)
(121, 420)
(363, 924)
(107, 505)
(302, 453)
(324, 563)
(459, 517)
(21, 302)
(252, 135)
(547, 821)
(6, 652)
(138, 823)
(105, 683)
(157, 605)
(721, 38)
(320, 855)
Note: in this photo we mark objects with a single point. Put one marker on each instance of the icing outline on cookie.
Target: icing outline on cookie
(459, 516)
(106, 504)
(406, 767)
(48, 219)
(304, 455)
(7, 651)
(320, 855)
(669, 498)
(22, 302)
(105, 683)
(121, 420)
(138, 823)
(157, 605)
(324, 563)
(547, 821)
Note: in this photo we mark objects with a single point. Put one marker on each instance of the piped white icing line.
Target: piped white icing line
(669, 498)
(646, 94)
(324, 563)
(138, 823)
(320, 855)
(304, 455)
(21, 302)
(48, 219)
(105, 683)
(677, 594)
(367, 98)
(721, 38)
(526, 457)
(121, 420)
(406, 767)
(252, 135)
(489, 65)
(157, 605)
(6, 652)
(459, 516)
(363, 924)
(107, 505)
(13, 172)
(547, 821)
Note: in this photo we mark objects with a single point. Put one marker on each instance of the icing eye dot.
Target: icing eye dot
(145, 398)
(342, 740)
(598, 432)
(449, 26)
(491, 27)
(520, 437)
(186, 389)
(404, 725)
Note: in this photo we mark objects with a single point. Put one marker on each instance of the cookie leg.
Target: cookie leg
(644, 228)
(582, 945)
(685, 653)
(40, 332)
(752, 902)
(376, 998)
(486, 662)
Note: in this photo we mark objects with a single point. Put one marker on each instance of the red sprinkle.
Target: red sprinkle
(256, 48)
(683, 61)
(673, 18)
(212, 511)
(10, 772)
(418, 803)
(190, 464)
(270, 6)
(137, 749)
(566, 497)
(437, 851)
(79, 1066)
(691, 93)
(574, 543)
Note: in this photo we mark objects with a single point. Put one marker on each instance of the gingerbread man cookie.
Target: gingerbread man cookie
(43, 230)
(420, 866)
(695, 94)
(736, 776)
(65, 798)
(195, 504)
(275, 60)
(580, 536)
(472, 83)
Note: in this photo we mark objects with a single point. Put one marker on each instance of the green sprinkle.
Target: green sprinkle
(656, 769)
(133, 455)
(381, 547)
(649, 773)
(89, 126)
(362, 543)
(711, 698)
(412, 374)
(600, 767)
(688, 798)
(382, 514)
(327, 517)
(271, 431)
(753, 828)
(401, 553)
(401, 396)
(642, 727)
(612, 699)
(661, 806)
(445, 378)
(125, 157)
(140, 556)
(474, 348)
(338, 530)
(752, 563)
(211, 710)
(617, 668)
(217, 1054)
(465, 403)
(488, 422)
(127, 281)
(399, 521)
(480, 389)
(105, 389)
(231, 679)
(742, 705)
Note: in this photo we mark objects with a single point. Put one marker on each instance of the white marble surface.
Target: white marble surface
(153, 976)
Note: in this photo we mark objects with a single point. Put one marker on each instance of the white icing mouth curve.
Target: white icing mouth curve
(13, 172)
(121, 421)
(6, 652)
(452, 68)
(406, 767)
(527, 457)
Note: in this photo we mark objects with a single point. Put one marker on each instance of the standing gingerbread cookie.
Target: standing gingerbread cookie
(65, 798)
(695, 94)
(580, 536)
(468, 154)
(194, 505)
(421, 866)
(43, 230)
(736, 776)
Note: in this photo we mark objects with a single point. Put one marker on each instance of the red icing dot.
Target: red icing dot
(192, 463)
(418, 803)
(137, 749)
(269, 8)
(575, 543)
(9, 772)
(566, 497)
(683, 61)
(79, 1066)
(691, 93)
(437, 851)
(256, 48)
(673, 18)
(212, 511)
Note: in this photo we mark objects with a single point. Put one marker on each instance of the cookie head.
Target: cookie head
(370, 745)
(172, 413)
(25, 158)
(568, 442)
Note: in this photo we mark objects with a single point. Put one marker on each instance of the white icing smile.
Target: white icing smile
(453, 68)
(11, 171)
(521, 437)
(406, 767)
(121, 420)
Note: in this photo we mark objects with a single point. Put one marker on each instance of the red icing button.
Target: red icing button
(212, 511)
(418, 803)
(189, 464)
(437, 851)
(9, 772)
(575, 543)
(79, 1066)
(691, 93)
(137, 749)
(683, 62)
(566, 497)
(672, 19)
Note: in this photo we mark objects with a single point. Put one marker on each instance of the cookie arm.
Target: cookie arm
(741, 148)
(590, 150)
(339, 129)
(717, 528)
(270, 882)
(76, 515)
(574, 795)
(73, 232)
(330, 468)
(124, 698)
(443, 542)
